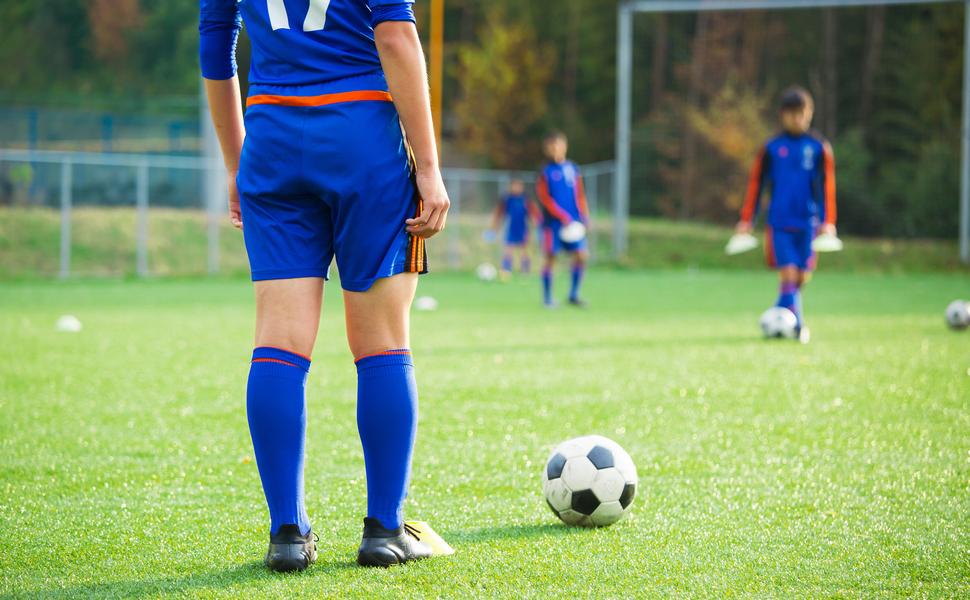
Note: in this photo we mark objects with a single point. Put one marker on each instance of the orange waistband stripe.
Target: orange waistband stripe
(321, 100)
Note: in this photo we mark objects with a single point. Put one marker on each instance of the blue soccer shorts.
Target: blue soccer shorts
(552, 244)
(790, 248)
(328, 176)
(517, 234)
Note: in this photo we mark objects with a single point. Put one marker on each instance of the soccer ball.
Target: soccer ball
(778, 322)
(958, 315)
(486, 272)
(589, 481)
(426, 303)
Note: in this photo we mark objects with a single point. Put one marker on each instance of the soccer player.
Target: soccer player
(559, 188)
(518, 213)
(325, 171)
(799, 166)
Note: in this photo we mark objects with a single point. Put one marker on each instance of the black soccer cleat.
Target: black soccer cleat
(577, 302)
(383, 547)
(291, 551)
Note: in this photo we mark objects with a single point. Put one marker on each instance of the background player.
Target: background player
(325, 172)
(518, 214)
(559, 188)
(799, 166)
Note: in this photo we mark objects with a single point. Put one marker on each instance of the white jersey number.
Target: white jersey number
(316, 15)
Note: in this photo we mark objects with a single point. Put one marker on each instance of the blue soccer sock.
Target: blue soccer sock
(507, 263)
(276, 408)
(788, 297)
(576, 281)
(547, 285)
(387, 406)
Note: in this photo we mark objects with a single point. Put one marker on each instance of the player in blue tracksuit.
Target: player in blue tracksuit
(326, 172)
(518, 213)
(559, 187)
(799, 166)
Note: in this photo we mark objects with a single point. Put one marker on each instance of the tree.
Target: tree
(503, 81)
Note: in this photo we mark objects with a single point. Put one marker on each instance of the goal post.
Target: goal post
(624, 92)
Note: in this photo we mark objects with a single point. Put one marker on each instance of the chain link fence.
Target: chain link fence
(112, 214)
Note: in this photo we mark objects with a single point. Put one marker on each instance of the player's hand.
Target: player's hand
(743, 227)
(827, 229)
(235, 215)
(435, 203)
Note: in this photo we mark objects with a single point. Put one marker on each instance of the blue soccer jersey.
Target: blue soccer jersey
(801, 173)
(316, 45)
(559, 188)
(519, 214)
(324, 172)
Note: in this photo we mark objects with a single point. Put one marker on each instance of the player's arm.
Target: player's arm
(581, 199)
(403, 61)
(499, 214)
(535, 215)
(219, 24)
(828, 189)
(547, 201)
(756, 184)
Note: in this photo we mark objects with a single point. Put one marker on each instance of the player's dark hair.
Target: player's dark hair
(795, 98)
(553, 135)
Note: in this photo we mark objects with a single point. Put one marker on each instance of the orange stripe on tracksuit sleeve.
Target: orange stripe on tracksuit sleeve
(754, 189)
(542, 192)
(581, 198)
(829, 189)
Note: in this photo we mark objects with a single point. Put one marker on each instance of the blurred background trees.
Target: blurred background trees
(887, 82)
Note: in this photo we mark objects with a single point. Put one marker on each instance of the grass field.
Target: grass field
(841, 468)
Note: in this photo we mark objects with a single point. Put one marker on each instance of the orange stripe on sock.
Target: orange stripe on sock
(285, 350)
(321, 100)
(385, 353)
(273, 360)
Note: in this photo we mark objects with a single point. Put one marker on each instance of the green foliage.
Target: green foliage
(503, 83)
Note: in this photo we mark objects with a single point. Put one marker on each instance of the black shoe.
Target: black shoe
(291, 551)
(385, 547)
(577, 302)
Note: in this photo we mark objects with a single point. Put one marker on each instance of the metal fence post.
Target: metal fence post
(141, 221)
(66, 203)
(454, 240)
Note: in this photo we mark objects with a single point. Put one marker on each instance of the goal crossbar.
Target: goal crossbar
(624, 92)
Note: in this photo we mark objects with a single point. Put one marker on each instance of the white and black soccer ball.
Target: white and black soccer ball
(589, 481)
(486, 272)
(958, 315)
(779, 322)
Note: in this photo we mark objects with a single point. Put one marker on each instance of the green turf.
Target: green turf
(766, 468)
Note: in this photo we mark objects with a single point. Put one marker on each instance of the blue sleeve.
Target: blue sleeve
(390, 10)
(219, 23)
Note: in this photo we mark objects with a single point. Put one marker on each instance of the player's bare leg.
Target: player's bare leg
(378, 332)
(288, 313)
(525, 259)
(287, 317)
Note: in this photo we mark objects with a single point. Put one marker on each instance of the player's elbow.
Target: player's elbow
(395, 38)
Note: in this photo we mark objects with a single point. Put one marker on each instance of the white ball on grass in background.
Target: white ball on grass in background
(589, 481)
(68, 324)
(486, 272)
(958, 315)
(778, 322)
(426, 303)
